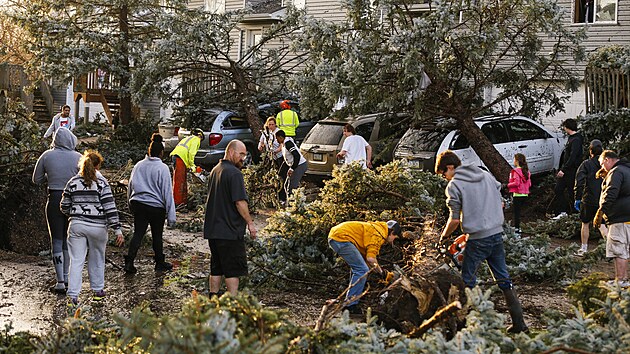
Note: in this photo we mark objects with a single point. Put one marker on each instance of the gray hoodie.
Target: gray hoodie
(60, 163)
(473, 197)
(150, 184)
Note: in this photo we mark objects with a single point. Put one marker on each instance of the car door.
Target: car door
(460, 146)
(498, 135)
(533, 142)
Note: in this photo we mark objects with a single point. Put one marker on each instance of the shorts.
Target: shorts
(228, 258)
(587, 212)
(618, 241)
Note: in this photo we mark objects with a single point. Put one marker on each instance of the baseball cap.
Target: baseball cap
(395, 227)
(595, 142)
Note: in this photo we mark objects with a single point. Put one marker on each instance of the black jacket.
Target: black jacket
(615, 199)
(573, 152)
(587, 187)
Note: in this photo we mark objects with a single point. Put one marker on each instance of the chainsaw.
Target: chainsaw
(456, 250)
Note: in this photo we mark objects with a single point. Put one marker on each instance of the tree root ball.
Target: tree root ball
(406, 305)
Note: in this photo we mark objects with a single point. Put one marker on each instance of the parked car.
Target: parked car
(325, 140)
(510, 135)
(221, 127)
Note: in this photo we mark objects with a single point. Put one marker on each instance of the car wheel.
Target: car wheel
(252, 156)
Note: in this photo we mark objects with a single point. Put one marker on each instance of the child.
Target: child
(88, 202)
(519, 184)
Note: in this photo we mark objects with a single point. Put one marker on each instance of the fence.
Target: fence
(606, 89)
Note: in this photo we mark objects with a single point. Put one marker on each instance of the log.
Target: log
(440, 315)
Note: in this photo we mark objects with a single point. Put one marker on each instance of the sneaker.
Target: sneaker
(353, 309)
(73, 302)
(163, 266)
(620, 283)
(99, 295)
(581, 252)
(559, 216)
(59, 288)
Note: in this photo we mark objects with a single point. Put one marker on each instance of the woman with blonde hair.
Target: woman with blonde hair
(268, 141)
(89, 203)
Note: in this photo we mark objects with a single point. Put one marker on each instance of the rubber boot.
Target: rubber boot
(516, 312)
(129, 267)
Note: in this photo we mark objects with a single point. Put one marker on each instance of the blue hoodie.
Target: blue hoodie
(60, 163)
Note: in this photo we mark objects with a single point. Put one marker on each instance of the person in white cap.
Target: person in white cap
(587, 190)
(358, 243)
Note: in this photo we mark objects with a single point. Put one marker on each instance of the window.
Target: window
(459, 142)
(594, 11)
(248, 39)
(214, 6)
(299, 4)
(365, 130)
(235, 122)
(325, 134)
(495, 132)
(522, 130)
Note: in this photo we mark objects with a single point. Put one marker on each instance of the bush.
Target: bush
(297, 247)
(610, 127)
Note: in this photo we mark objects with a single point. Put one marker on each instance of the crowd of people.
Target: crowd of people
(81, 207)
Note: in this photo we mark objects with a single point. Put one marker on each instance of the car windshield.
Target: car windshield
(325, 134)
(422, 140)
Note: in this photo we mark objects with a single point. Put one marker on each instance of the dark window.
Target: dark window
(235, 122)
(583, 11)
(422, 140)
(365, 130)
(459, 142)
(495, 132)
(325, 134)
(523, 130)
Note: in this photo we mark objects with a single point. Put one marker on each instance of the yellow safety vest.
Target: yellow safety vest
(187, 149)
(288, 121)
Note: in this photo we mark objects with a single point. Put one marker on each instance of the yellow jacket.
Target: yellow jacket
(288, 121)
(187, 149)
(368, 236)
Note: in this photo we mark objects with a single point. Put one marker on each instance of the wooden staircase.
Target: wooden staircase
(94, 88)
(40, 108)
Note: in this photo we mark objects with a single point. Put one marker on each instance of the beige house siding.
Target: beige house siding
(600, 34)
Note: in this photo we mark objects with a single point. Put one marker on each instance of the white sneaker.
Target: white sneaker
(621, 283)
(559, 216)
(581, 252)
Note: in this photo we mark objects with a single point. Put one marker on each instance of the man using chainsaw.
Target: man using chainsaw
(474, 199)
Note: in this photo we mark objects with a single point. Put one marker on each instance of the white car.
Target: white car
(510, 135)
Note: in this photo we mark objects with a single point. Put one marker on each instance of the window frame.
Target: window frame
(575, 13)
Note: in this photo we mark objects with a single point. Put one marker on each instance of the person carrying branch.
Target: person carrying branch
(358, 243)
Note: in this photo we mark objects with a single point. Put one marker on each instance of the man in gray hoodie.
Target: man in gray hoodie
(474, 200)
(56, 166)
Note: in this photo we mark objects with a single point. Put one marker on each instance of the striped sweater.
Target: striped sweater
(90, 203)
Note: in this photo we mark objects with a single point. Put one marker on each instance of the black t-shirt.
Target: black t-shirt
(226, 186)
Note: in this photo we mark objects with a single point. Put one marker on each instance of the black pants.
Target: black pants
(143, 216)
(57, 223)
(282, 172)
(563, 194)
(517, 206)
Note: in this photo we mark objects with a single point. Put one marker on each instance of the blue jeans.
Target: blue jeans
(491, 250)
(358, 267)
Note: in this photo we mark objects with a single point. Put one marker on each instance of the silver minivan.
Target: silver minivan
(510, 135)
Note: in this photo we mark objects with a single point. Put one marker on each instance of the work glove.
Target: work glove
(577, 205)
(597, 220)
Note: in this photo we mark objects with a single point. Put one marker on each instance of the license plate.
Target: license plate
(318, 157)
(414, 163)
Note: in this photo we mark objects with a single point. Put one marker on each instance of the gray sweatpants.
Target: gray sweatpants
(82, 236)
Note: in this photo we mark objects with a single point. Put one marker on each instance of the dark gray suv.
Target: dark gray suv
(226, 126)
